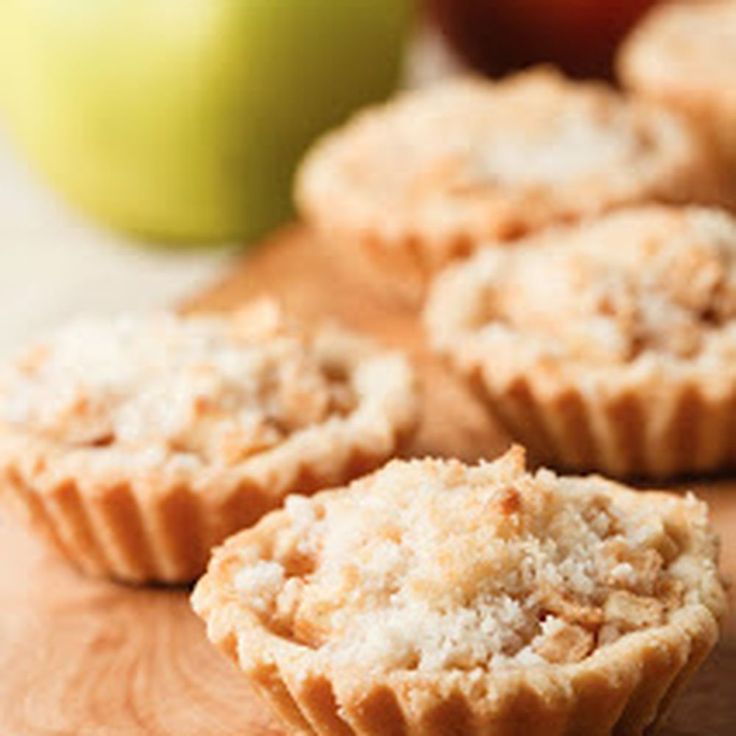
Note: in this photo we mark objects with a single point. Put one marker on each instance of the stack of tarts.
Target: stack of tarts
(571, 284)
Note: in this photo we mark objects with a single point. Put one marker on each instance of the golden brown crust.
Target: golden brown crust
(621, 363)
(116, 512)
(132, 533)
(623, 687)
(431, 175)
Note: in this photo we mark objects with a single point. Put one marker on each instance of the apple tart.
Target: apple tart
(436, 597)
(137, 443)
(684, 55)
(424, 179)
(606, 345)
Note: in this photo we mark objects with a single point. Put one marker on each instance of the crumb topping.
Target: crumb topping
(639, 282)
(434, 565)
(469, 134)
(485, 157)
(217, 388)
(540, 136)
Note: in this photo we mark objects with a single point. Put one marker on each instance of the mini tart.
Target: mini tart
(137, 444)
(433, 597)
(684, 55)
(607, 345)
(421, 181)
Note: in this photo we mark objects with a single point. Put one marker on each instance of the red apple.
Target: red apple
(496, 36)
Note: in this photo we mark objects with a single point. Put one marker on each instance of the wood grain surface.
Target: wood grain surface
(82, 657)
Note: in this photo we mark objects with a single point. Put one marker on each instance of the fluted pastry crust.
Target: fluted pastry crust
(137, 444)
(608, 345)
(409, 186)
(433, 597)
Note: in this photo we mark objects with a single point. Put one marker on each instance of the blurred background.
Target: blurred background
(144, 142)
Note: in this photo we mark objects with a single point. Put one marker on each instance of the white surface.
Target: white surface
(54, 265)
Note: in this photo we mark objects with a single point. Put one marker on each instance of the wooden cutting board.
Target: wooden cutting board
(82, 657)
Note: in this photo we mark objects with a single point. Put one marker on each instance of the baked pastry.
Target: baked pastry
(434, 597)
(137, 443)
(684, 54)
(423, 180)
(606, 345)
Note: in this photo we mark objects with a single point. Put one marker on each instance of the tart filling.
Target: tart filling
(471, 159)
(200, 391)
(432, 566)
(210, 389)
(643, 285)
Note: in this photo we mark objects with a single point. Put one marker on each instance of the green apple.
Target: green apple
(182, 120)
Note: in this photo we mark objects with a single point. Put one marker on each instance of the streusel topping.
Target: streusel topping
(474, 158)
(639, 282)
(218, 388)
(433, 565)
(478, 136)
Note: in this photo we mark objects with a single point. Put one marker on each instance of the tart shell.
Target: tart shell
(143, 531)
(624, 689)
(157, 522)
(656, 416)
(627, 431)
